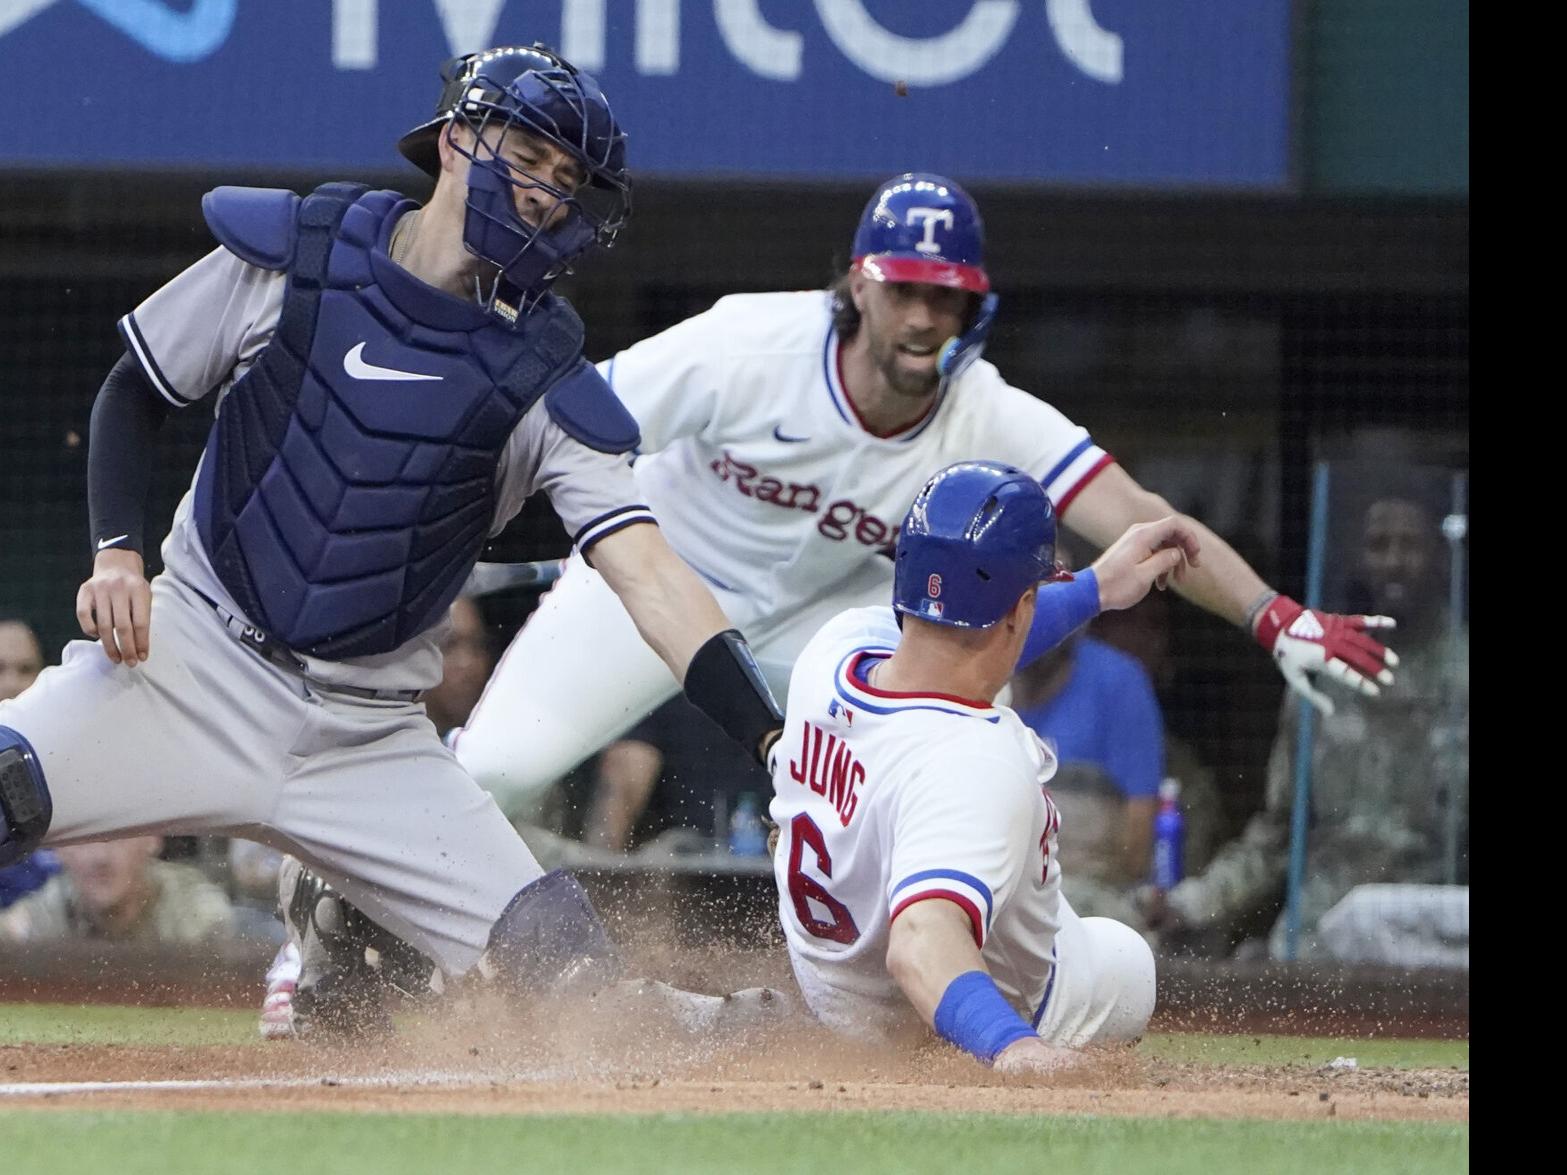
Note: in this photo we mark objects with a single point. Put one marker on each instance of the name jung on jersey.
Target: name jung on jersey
(829, 769)
(827, 766)
(836, 521)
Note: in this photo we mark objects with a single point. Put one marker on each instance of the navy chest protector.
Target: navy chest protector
(349, 481)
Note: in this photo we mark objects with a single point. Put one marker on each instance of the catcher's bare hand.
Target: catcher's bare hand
(1032, 1057)
(1149, 554)
(115, 606)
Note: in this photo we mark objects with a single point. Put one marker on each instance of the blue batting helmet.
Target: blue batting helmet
(921, 227)
(978, 536)
(534, 91)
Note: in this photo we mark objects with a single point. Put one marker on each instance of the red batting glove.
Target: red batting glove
(1304, 642)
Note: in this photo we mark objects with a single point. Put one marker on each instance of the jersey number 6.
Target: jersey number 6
(841, 927)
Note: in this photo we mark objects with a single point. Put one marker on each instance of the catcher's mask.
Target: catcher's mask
(531, 91)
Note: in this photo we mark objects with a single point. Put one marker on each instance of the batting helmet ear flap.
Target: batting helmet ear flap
(963, 349)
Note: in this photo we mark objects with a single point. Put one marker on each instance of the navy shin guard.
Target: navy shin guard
(551, 934)
(25, 808)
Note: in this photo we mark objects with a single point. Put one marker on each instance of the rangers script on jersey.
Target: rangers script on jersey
(886, 799)
(762, 474)
(765, 481)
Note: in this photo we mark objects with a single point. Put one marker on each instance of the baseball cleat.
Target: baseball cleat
(327, 981)
(277, 1010)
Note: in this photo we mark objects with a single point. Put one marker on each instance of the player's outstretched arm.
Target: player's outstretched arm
(1145, 555)
(679, 619)
(932, 956)
(1149, 554)
(1302, 642)
(1112, 503)
(115, 604)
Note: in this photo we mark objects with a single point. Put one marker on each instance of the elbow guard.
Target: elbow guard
(723, 681)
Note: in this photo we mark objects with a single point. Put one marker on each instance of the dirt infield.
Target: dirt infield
(477, 1052)
(1194, 995)
(215, 1079)
(488, 1060)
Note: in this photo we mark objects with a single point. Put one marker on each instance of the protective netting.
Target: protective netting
(1278, 276)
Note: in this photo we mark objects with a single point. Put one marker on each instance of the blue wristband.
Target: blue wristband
(975, 1016)
(1061, 609)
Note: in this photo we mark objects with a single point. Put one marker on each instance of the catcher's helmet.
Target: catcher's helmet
(978, 536)
(535, 91)
(921, 227)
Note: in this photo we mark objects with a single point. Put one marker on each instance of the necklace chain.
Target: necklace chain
(402, 238)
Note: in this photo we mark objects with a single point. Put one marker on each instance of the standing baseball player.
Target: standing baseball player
(917, 865)
(783, 437)
(393, 382)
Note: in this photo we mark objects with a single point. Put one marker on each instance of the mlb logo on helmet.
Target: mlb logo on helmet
(932, 608)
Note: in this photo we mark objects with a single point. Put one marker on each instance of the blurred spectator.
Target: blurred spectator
(21, 657)
(21, 661)
(27, 875)
(1388, 774)
(252, 872)
(117, 891)
(1145, 632)
(1096, 705)
(675, 769)
(467, 661)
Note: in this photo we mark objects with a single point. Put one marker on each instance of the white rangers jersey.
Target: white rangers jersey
(761, 473)
(883, 800)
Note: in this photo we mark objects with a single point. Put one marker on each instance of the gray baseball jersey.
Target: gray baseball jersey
(208, 736)
(202, 331)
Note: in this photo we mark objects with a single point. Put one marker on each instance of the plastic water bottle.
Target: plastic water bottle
(1169, 836)
(747, 837)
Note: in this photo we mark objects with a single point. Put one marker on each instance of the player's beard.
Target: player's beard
(901, 379)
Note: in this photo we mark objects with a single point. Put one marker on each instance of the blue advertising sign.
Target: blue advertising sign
(1117, 92)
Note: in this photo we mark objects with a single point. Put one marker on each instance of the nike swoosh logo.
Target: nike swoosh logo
(779, 436)
(354, 363)
(119, 538)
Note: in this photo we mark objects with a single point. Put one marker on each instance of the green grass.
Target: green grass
(158, 1142)
(1306, 1051)
(37, 1142)
(107, 1024)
